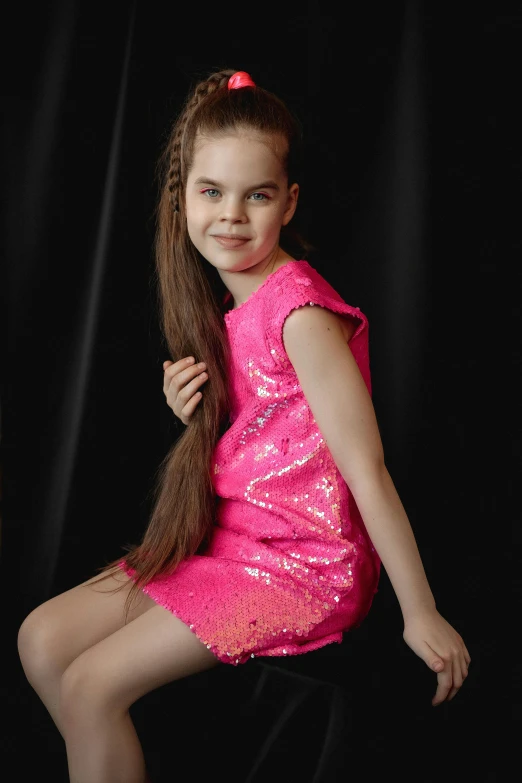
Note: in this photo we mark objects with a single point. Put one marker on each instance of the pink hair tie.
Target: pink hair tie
(240, 79)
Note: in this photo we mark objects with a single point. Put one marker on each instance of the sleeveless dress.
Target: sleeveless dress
(290, 565)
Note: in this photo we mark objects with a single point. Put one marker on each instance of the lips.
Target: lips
(230, 241)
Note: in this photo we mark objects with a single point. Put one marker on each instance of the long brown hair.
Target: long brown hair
(190, 303)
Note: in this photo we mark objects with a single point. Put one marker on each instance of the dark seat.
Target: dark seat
(303, 702)
(288, 718)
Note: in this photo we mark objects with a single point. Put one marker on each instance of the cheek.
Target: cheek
(272, 219)
(196, 216)
(194, 228)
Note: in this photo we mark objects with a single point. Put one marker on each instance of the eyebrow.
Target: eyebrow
(269, 184)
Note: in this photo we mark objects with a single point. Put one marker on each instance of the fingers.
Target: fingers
(451, 679)
(458, 679)
(445, 682)
(437, 642)
(181, 383)
(190, 407)
(460, 662)
(462, 672)
(180, 368)
(190, 389)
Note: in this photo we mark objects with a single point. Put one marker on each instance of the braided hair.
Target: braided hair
(189, 294)
(214, 82)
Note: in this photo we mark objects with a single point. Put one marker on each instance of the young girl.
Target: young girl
(274, 508)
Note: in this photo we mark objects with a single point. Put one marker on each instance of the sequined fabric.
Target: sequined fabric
(290, 565)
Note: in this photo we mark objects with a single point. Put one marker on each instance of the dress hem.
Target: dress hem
(239, 659)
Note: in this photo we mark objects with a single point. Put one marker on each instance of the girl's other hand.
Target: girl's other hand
(434, 640)
(181, 381)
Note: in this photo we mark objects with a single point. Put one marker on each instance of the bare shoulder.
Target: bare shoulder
(301, 317)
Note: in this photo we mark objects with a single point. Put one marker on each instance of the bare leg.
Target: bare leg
(99, 686)
(54, 634)
(103, 746)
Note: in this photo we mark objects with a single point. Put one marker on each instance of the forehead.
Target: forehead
(241, 154)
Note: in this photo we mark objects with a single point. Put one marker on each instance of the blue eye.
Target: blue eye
(263, 196)
(209, 191)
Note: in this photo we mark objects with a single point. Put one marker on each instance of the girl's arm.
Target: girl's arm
(344, 412)
(386, 521)
(342, 407)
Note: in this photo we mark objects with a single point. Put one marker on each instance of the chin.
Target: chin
(230, 261)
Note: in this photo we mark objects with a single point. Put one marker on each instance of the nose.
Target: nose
(233, 211)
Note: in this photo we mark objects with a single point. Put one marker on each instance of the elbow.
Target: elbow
(366, 474)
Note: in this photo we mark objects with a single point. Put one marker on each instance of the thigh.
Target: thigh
(59, 630)
(152, 650)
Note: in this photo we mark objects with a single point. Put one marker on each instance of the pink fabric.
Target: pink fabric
(290, 565)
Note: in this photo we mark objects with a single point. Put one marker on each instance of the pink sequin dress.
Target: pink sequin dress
(290, 565)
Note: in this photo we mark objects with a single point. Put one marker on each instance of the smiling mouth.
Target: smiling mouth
(230, 240)
(229, 236)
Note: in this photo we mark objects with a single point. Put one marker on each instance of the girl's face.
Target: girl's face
(237, 199)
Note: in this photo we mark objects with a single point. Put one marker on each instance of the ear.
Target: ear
(291, 204)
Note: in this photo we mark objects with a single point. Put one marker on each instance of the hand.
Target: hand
(434, 640)
(181, 382)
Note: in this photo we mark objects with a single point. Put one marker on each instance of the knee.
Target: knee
(37, 647)
(81, 692)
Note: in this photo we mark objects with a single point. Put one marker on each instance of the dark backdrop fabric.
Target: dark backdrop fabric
(409, 159)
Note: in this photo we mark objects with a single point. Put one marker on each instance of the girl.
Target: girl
(274, 509)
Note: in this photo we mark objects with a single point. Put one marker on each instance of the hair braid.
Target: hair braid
(204, 88)
(190, 295)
